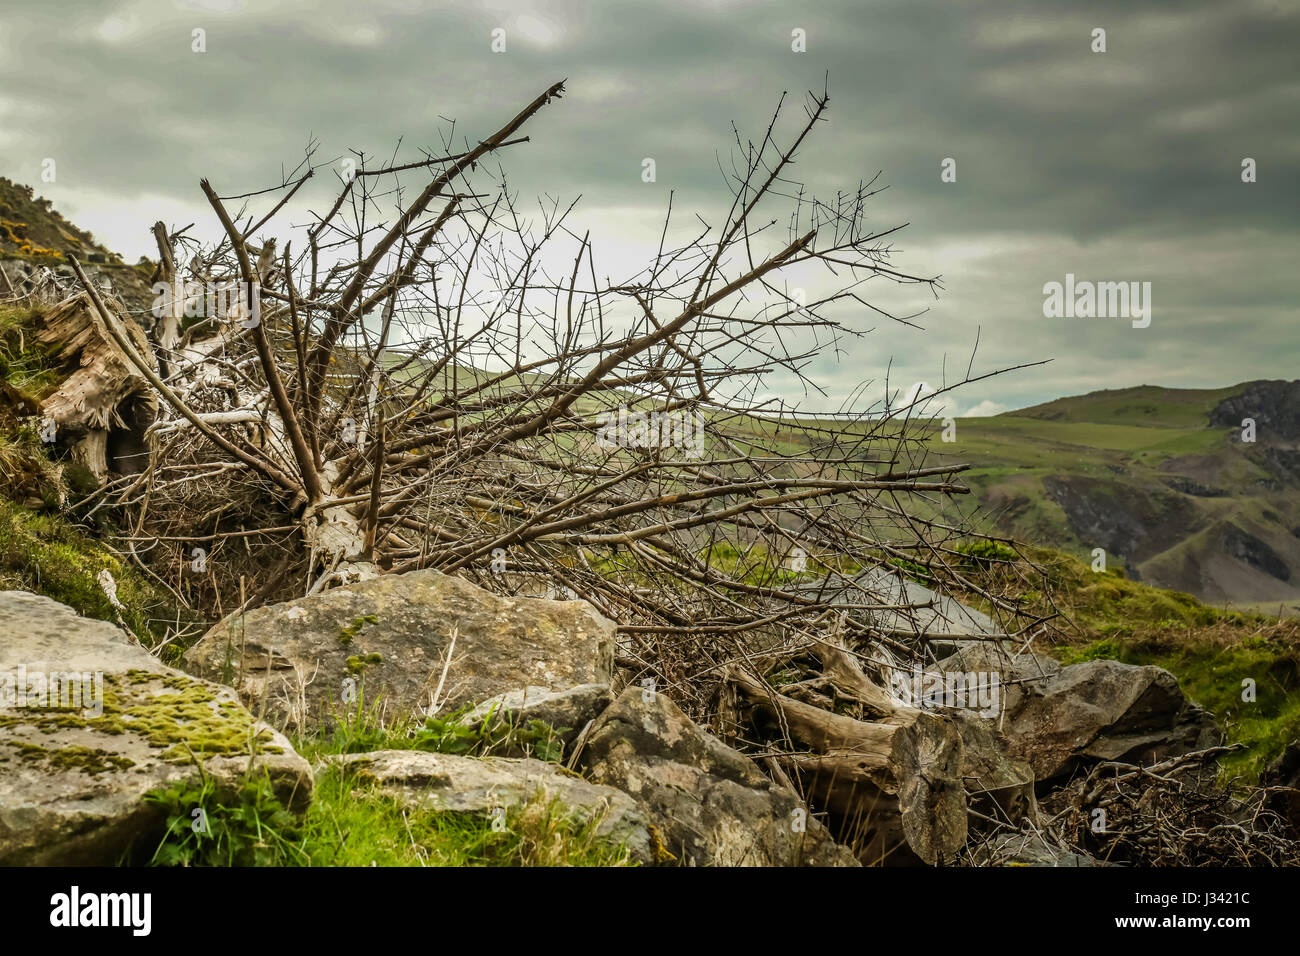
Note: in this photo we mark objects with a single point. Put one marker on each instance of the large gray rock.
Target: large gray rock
(72, 779)
(906, 608)
(389, 637)
(1055, 718)
(1020, 675)
(997, 782)
(483, 785)
(909, 607)
(709, 804)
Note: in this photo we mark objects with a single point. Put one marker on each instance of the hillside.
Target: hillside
(34, 235)
(1159, 478)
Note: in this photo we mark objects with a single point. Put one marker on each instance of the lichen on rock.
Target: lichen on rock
(74, 778)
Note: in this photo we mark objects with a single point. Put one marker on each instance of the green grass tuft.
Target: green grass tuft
(351, 823)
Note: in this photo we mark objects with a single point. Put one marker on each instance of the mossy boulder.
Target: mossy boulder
(90, 722)
(308, 660)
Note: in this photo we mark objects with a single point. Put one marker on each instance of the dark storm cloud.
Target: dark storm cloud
(1116, 166)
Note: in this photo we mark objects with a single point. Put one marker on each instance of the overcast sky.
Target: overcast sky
(1117, 166)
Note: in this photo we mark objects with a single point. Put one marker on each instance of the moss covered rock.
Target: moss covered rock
(90, 723)
(487, 786)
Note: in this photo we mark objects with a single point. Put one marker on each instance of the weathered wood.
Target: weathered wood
(844, 672)
(995, 782)
(93, 399)
(892, 782)
(167, 327)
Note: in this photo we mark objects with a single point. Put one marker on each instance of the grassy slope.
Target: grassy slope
(1142, 405)
(30, 228)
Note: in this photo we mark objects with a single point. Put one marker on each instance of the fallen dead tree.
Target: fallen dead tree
(447, 384)
(428, 377)
(448, 388)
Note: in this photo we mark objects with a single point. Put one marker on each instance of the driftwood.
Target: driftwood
(892, 783)
(995, 782)
(842, 669)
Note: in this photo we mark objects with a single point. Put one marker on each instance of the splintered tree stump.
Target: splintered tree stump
(102, 393)
(894, 782)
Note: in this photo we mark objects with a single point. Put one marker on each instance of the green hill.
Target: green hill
(1159, 478)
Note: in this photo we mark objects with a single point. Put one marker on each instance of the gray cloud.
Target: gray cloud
(1116, 166)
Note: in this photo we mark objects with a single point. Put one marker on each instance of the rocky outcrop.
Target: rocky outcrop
(1274, 405)
(485, 786)
(1240, 544)
(390, 638)
(709, 804)
(1124, 519)
(90, 723)
(1055, 717)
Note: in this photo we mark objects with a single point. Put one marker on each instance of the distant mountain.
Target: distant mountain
(1160, 478)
